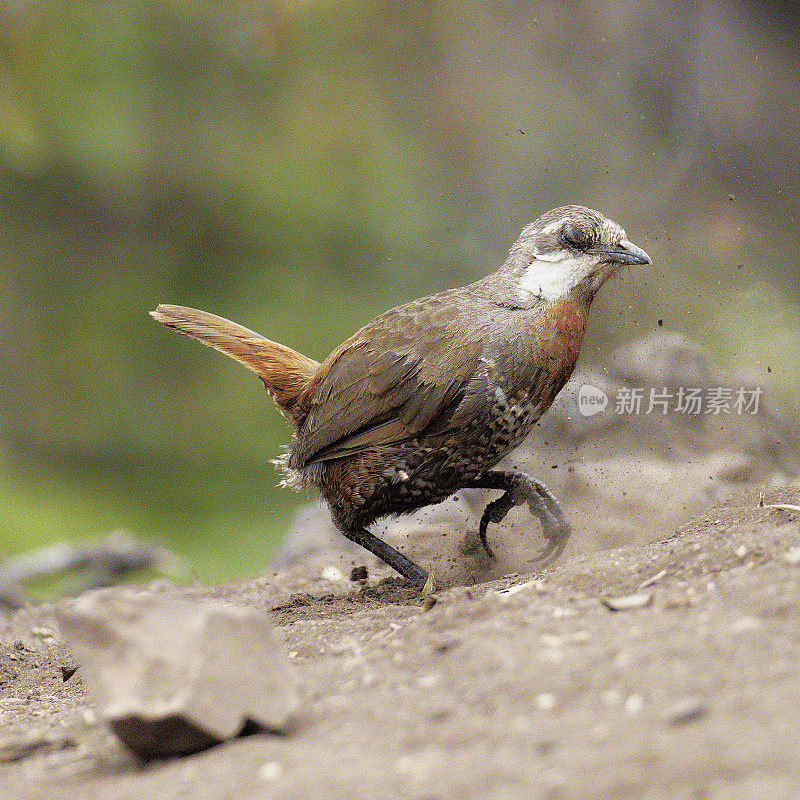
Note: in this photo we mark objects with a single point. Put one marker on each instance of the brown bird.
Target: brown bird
(428, 397)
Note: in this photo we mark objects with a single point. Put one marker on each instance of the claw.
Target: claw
(539, 509)
(557, 538)
(553, 505)
(482, 531)
(543, 505)
(494, 512)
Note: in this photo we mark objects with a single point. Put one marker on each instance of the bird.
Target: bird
(428, 397)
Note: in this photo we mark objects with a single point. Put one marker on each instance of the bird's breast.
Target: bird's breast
(559, 333)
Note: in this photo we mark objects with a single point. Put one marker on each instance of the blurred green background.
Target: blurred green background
(300, 167)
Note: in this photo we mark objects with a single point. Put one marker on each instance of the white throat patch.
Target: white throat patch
(553, 276)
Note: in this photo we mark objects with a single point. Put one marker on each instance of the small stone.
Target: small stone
(332, 574)
(89, 717)
(792, 556)
(42, 633)
(359, 573)
(628, 602)
(634, 704)
(687, 711)
(67, 671)
(745, 625)
(545, 702)
(172, 676)
(271, 771)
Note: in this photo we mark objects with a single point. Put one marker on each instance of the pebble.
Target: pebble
(792, 556)
(634, 704)
(628, 602)
(687, 711)
(271, 771)
(545, 702)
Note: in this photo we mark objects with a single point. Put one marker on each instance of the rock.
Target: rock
(628, 602)
(103, 562)
(172, 676)
(687, 711)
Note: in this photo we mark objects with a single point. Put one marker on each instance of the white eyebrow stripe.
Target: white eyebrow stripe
(553, 226)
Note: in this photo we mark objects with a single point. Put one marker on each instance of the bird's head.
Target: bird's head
(570, 249)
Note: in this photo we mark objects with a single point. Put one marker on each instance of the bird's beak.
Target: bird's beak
(627, 253)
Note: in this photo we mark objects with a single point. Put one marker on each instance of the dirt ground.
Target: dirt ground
(524, 687)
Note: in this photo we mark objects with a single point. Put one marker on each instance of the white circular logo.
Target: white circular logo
(591, 400)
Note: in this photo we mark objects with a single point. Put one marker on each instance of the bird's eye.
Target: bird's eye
(575, 237)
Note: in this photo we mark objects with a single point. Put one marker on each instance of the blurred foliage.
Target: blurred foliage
(299, 168)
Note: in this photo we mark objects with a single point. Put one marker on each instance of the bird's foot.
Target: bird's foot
(543, 504)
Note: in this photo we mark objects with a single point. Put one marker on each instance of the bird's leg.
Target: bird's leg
(521, 488)
(395, 559)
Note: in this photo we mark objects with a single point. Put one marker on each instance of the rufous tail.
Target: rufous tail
(285, 372)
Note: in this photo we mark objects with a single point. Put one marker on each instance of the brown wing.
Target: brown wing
(399, 375)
